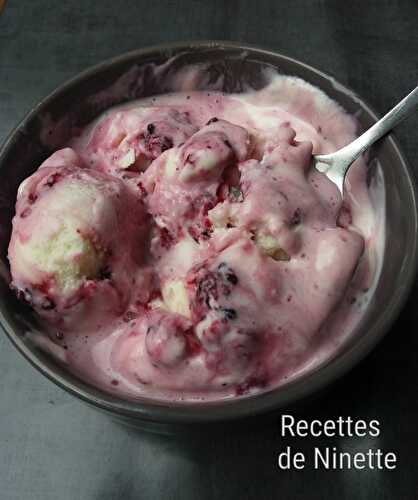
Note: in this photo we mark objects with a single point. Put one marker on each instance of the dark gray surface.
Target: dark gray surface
(51, 446)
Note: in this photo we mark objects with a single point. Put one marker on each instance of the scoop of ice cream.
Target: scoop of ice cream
(274, 197)
(254, 314)
(128, 140)
(75, 235)
(227, 294)
(183, 183)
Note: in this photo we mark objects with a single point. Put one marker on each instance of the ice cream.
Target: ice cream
(184, 248)
(74, 253)
(131, 140)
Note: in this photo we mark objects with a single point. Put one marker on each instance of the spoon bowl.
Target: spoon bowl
(336, 165)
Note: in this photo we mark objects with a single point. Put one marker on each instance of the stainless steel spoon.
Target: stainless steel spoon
(335, 165)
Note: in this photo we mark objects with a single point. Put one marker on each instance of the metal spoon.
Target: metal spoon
(335, 165)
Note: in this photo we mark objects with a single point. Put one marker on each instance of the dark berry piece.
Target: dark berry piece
(166, 238)
(129, 316)
(189, 159)
(232, 278)
(155, 144)
(229, 313)
(194, 233)
(26, 295)
(141, 188)
(227, 144)
(27, 211)
(48, 304)
(207, 289)
(212, 120)
(105, 273)
(166, 143)
(53, 179)
(32, 198)
(151, 128)
(296, 217)
(227, 273)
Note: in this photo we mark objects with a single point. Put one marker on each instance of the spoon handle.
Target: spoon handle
(403, 109)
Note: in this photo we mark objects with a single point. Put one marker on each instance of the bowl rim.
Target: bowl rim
(170, 412)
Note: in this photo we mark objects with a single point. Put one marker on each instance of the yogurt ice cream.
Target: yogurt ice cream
(74, 254)
(181, 247)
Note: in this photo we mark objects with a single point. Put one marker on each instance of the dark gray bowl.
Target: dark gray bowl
(128, 77)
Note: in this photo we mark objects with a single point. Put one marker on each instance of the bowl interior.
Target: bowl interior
(230, 68)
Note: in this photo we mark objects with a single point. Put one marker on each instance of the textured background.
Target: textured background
(51, 446)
